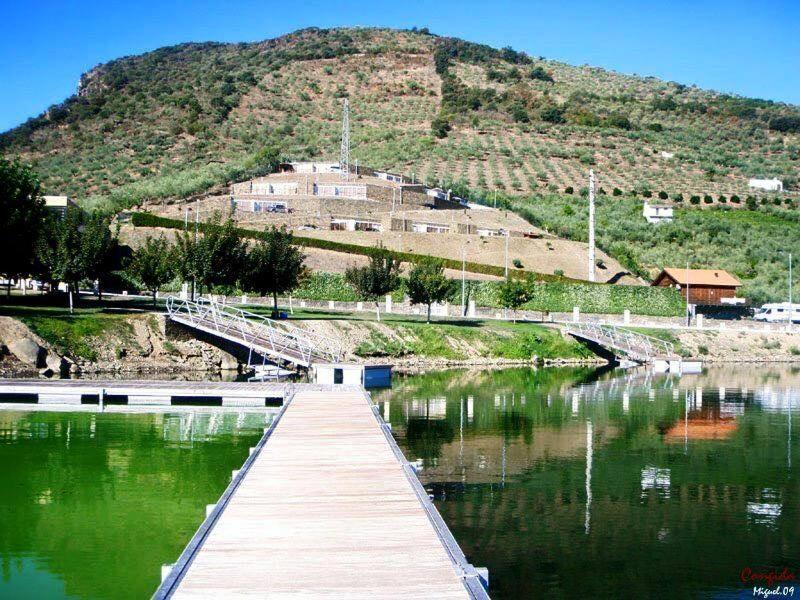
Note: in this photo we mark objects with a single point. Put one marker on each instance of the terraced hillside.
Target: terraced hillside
(183, 119)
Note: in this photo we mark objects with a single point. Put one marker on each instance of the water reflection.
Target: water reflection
(612, 485)
(92, 504)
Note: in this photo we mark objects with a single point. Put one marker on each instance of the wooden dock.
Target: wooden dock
(325, 506)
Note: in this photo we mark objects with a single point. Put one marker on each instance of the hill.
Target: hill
(182, 119)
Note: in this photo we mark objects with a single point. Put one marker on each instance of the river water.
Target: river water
(569, 483)
(565, 483)
(91, 505)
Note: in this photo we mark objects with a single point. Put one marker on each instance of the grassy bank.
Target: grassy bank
(403, 336)
(75, 334)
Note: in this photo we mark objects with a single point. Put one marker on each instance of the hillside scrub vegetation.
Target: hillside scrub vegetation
(751, 244)
(186, 118)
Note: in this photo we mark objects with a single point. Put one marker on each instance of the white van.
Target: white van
(778, 313)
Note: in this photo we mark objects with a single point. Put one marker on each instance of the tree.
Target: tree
(373, 281)
(220, 254)
(67, 257)
(154, 264)
(539, 73)
(99, 249)
(440, 127)
(513, 294)
(264, 161)
(427, 283)
(187, 250)
(274, 265)
(22, 216)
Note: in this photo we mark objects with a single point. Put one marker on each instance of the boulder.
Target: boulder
(28, 351)
(228, 363)
(55, 363)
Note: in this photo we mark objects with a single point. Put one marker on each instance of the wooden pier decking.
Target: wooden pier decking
(325, 507)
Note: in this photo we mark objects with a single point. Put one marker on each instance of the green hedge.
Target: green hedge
(552, 297)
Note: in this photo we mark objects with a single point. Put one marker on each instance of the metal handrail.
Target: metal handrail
(255, 331)
(630, 342)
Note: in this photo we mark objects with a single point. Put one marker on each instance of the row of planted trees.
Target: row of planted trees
(272, 265)
(221, 256)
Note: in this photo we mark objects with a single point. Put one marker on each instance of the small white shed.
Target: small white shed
(370, 376)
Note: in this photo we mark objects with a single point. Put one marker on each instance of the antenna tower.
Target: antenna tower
(344, 155)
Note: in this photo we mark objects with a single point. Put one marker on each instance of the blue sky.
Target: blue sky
(748, 48)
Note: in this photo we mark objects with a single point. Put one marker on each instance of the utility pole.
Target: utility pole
(344, 154)
(791, 307)
(463, 281)
(507, 232)
(688, 306)
(591, 226)
(196, 227)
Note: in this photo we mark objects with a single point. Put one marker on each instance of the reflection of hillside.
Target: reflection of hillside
(490, 458)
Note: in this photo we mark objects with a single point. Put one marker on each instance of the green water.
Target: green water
(91, 505)
(566, 486)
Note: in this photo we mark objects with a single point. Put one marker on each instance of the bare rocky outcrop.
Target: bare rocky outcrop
(145, 345)
(24, 352)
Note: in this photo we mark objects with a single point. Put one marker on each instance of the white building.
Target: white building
(58, 204)
(353, 224)
(344, 190)
(768, 185)
(278, 188)
(311, 167)
(386, 176)
(430, 228)
(657, 214)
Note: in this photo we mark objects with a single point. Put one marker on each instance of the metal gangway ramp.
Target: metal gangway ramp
(623, 342)
(326, 506)
(273, 340)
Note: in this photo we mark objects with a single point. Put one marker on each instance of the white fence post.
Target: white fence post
(576, 314)
(626, 317)
(331, 304)
(244, 298)
(699, 321)
(359, 306)
(471, 309)
(388, 303)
